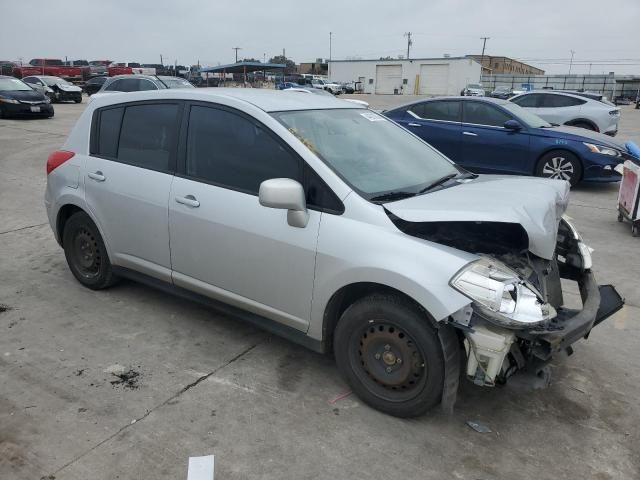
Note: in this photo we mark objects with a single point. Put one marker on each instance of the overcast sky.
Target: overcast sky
(540, 32)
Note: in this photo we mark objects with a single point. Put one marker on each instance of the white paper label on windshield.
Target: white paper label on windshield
(372, 117)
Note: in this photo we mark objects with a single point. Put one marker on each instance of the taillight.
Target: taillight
(57, 158)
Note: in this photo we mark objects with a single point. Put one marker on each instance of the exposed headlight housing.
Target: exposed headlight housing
(583, 249)
(501, 296)
(612, 152)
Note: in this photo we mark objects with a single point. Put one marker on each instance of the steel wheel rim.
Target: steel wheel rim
(388, 361)
(559, 168)
(86, 254)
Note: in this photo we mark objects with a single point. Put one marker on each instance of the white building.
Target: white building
(418, 76)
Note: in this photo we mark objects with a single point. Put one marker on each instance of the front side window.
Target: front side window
(227, 149)
(438, 110)
(527, 101)
(124, 85)
(483, 114)
(372, 154)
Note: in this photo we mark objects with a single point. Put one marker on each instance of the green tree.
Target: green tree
(290, 64)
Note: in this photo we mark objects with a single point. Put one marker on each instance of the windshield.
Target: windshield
(13, 85)
(530, 119)
(49, 81)
(372, 154)
(175, 82)
(503, 89)
(474, 85)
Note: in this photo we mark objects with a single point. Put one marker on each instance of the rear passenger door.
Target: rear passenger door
(438, 123)
(128, 178)
(557, 108)
(224, 244)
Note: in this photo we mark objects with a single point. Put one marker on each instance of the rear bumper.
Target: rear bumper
(599, 302)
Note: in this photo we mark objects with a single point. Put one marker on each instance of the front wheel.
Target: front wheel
(560, 165)
(86, 254)
(390, 355)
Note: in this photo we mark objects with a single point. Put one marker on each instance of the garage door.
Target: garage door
(388, 78)
(434, 79)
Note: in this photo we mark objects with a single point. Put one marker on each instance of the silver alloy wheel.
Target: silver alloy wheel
(558, 167)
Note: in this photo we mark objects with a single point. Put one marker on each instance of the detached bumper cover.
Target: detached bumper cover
(599, 303)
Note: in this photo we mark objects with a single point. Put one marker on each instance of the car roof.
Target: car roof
(265, 99)
(135, 75)
(553, 92)
(496, 101)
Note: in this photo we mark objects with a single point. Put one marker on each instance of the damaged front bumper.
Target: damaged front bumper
(495, 353)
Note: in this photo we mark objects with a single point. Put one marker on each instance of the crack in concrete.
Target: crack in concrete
(148, 412)
(24, 228)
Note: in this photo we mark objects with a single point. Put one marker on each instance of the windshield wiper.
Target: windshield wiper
(439, 181)
(390, 196)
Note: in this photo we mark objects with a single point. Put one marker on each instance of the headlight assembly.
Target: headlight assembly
(612, 152)
(8, 100)
(583, 250)
(501, 296)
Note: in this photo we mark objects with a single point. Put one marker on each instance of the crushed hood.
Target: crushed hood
(534, 203)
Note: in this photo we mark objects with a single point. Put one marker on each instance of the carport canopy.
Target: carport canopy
(243, 67)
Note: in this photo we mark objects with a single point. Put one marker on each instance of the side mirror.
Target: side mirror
(286, 194)
(512, 125)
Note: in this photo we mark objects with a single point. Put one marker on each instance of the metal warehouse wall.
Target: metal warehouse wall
(610, 85)
(429, 76)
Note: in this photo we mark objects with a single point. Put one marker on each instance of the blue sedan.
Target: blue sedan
(488, 135)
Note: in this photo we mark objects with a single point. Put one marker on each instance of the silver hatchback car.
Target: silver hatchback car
(331, 225)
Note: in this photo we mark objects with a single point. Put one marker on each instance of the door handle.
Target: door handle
(412, 124)
(189, 201)
(97, 176)
(471, 134)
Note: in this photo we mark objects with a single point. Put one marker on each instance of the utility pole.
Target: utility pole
(571, 61)
(161, 60)
(409, 42)
(484, 45)
(264, 58)
(236, 49)
(330, 38)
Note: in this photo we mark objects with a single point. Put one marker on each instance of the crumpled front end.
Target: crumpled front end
(518, 319)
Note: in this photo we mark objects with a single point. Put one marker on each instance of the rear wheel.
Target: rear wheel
(561, 165)
(85, 252)
(390, 355)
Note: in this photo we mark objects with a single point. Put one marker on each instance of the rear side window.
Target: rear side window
(228, 149)
(484, 114)
(558, 101)
(148, 135)
(109, 131)
(437, 110)
(527, 101)
(124, 85)
(139, 135)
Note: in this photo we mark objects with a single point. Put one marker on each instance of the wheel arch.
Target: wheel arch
(64, 214)
(347, 295)
(575, 121)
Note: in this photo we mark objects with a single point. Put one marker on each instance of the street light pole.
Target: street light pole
(484, 44)
(330, 39)
(236, 49)
(571, 61)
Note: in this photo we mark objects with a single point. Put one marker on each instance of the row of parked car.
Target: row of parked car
(79, 70)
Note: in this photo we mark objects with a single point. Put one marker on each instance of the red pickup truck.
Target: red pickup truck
(48, 66)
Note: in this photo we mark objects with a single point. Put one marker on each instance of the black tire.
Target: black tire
(585, 125)
(86, 254)
(390, 355)
(560, 164)
(78, 100)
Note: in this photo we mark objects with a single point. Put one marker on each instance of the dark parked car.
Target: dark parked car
(488, 135)
(502, 92)
(137, 83)
(18, 98)
(56, 88)
(94, 84)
